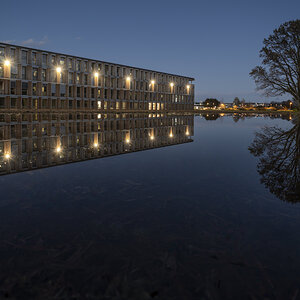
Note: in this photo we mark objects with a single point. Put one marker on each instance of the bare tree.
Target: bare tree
(279, 160)
(280, 70)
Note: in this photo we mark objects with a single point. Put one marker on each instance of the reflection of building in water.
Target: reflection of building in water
(32, 79)
(31, 140)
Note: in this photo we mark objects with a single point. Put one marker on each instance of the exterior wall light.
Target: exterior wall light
(7, 156)
(58, 69)
(7, 63)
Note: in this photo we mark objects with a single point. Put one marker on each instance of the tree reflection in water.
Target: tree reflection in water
(279, 153)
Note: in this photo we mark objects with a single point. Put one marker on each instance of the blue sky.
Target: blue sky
(216, 42)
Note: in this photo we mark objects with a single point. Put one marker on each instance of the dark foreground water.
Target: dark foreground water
(188, 221)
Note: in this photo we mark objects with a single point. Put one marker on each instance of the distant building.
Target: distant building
(39, 80)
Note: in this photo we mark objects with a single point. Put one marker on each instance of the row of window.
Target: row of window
(34, 103)
(67, 63)
(84, 92)
(84, 79)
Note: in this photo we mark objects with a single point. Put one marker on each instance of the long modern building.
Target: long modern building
(38, 80)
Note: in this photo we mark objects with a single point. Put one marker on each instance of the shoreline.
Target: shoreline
(224, 111)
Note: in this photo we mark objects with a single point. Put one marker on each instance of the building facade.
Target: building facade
(32, 79)
(37, 140)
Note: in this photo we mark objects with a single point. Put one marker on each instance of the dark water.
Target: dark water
(185, 221)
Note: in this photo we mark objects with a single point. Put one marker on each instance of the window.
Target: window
(70, 63)
(13, 89)
(62, 61)
(24, 88)
(14, 71)
(77, 78)
(24, 73)
(13, 103)
(85, 66)
(34, 58)
(13, 53)
(44, 89)
(62, 90)
(70, 78)
(70, 91)
(1, 70)
(44, 59)
(78, 65)
(2, 102)
(53, 59)
(85, 79)
(24, 57)
(34, 89)
(53, 89)
(34, 74)
(43, 75)
(2, 52)
(1, 87)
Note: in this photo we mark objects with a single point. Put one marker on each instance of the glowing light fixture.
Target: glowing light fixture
(187, 133)
(58, 69)
(7, 63)
(58, 149)
(7, 156)
(172, 84)
(96, 74)
(188, 86)
(171, 135)
(128, 78)
(152, 82)
(95, 145)
(152, 137)
(127, 141)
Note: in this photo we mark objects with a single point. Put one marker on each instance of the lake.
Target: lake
(210, 211)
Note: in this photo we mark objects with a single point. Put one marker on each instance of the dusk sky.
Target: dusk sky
(216, 42)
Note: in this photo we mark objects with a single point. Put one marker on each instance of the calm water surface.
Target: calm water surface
(188, 221)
